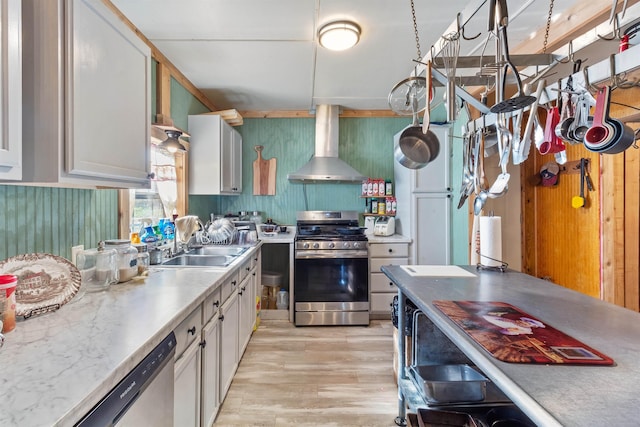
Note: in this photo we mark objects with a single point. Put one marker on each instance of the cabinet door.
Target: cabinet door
(228, 343)
(226, 166)
(210, 372)
(247, 313)
(186, 401)
(108, 99)
(237, 161)
(432, 233)
(11, 90)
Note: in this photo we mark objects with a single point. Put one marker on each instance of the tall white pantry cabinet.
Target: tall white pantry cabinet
(424, 204)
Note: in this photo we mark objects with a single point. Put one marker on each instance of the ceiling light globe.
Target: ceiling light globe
(339, 35)
(172, 144)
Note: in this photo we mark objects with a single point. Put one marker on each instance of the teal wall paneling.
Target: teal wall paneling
(183, 104)
(365, 143)
(52, 219)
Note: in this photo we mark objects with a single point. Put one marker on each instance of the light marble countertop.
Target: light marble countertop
(551, 395)
(57, 366)
(394, 238)
(279, 237)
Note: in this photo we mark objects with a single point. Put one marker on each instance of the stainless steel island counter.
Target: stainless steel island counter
(550, 395)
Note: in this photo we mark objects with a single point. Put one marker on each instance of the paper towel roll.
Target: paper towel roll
(490, 241)
(474, 258)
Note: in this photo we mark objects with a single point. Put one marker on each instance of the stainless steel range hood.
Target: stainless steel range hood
(325, 164)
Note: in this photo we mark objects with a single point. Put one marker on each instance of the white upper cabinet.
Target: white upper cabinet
(87, 96)
(215, 156)
(10, 90)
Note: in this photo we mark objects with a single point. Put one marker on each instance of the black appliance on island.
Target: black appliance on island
(331, 272)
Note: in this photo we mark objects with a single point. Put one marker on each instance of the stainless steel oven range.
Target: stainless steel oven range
(331, 272)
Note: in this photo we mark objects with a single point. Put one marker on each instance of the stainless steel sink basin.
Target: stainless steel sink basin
(190, 260)
(219, 250)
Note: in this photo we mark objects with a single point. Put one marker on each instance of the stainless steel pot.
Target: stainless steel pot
(418, 145)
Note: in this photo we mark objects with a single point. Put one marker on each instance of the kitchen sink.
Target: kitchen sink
(219, 250)
(190, 260)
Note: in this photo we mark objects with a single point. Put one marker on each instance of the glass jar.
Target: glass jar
(143, 259)
(127, 258)
(98, 268)
(256, 217)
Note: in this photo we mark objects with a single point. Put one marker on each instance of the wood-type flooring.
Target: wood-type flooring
(314, 376)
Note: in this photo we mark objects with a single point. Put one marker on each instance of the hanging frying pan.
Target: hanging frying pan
(416, 148)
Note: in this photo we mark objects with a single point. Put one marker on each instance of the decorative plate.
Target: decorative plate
(45, 282)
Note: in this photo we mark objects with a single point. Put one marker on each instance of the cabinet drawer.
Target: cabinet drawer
(244, 270)
(188, 330)
(376, 263)
(228, 287)
(211, 305)
(381, 283)
(389, 250)
(381, 303)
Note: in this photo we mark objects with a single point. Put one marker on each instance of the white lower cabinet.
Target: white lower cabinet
(210, 371)
(246, 295)
(207, 357)
(186, 387)
(228, 342)
(186, 395)
(382, 290)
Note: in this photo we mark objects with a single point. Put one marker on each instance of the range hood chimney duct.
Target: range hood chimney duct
(325, 165)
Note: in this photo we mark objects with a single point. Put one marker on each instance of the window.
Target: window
(147, 207)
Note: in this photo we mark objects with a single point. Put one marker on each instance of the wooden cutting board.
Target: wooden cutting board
(264, 174)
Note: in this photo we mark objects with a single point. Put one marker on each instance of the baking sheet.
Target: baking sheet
(436, 271)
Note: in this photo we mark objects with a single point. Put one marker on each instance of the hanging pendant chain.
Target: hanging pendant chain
(415, 30)
(546, 32)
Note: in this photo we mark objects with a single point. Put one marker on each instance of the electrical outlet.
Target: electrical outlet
(74, 252)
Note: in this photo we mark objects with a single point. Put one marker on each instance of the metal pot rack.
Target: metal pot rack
(611, 70)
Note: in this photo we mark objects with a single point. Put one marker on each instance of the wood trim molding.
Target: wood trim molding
(302, 114)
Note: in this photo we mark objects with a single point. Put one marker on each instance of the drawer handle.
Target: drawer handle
(247, 268)
(254, 274)
(391, 284)
(255, 259)
(234, 283)
(203, 344)
(390, 251)
(192, 330)
(216, 303)
(221, 318)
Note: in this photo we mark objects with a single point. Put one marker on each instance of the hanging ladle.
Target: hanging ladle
(521, 100)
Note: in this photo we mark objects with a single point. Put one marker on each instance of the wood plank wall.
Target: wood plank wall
(594, 249)
(51, 219)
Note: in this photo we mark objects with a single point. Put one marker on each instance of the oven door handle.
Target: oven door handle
(331, 254)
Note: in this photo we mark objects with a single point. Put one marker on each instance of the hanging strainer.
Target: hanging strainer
(450, 52)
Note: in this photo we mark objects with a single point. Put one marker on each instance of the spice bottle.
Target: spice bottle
(8, 284)
(374, 206)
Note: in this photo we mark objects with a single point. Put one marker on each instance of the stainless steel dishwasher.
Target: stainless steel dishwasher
(144, 397)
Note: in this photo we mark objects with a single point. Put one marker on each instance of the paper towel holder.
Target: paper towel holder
(501, 268)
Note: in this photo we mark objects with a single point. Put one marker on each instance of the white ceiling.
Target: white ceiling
(262, 54)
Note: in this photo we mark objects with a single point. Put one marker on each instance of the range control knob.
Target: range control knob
(305, 246)
(332, 245)
(346, 245)
(356, 245)
(316, 245)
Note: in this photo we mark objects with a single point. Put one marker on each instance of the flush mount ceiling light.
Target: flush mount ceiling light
(172, 144)
(339, 35)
